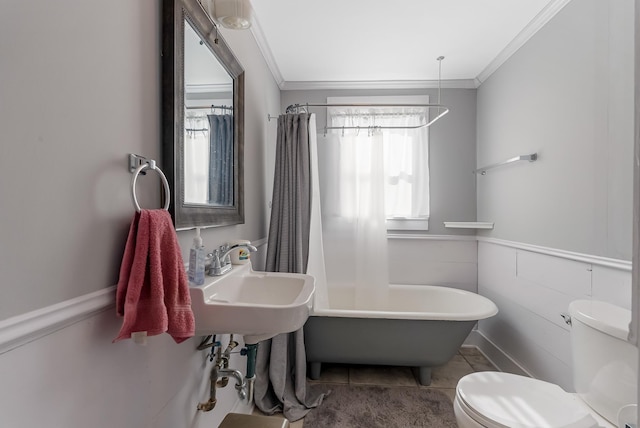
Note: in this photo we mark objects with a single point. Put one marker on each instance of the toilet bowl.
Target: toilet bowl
(605, 378)
(499, 400)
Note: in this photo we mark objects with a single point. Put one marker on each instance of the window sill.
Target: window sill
(468, 225)
(394, 224)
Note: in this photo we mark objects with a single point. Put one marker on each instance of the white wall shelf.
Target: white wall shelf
(468, 225)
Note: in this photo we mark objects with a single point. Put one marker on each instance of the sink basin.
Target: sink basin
(257, 305)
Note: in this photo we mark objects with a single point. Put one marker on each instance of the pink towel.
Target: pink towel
(153, 290)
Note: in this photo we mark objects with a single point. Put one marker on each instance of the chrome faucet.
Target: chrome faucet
(221, 263)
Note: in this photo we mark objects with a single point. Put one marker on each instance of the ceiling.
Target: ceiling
(324, 44)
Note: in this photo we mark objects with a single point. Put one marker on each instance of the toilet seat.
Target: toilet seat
(504, 400)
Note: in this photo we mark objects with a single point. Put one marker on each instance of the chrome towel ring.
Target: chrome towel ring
(149, 164)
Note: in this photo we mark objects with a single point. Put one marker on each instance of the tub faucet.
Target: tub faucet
(221, 263)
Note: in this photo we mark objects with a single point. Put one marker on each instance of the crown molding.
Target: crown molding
(208, 88)
(377, 84)
(261, 41)
(539, 21)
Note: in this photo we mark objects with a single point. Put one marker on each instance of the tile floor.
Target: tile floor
(445, 378)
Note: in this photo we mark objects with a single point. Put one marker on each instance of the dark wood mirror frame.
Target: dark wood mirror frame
(174, 14)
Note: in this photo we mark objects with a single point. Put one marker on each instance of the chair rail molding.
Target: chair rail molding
(25, 328)
(622, 265)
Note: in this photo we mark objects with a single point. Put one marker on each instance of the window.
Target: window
(406, 152)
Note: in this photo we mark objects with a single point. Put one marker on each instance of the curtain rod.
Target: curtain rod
(212, 106)
(295, 108)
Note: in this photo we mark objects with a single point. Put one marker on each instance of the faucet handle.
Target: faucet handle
(226, 259)
(216, 259)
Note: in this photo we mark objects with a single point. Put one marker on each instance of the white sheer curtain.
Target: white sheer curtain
(407, 163)
(406, 152)
(196, 159)
(316, 263)
(371, 178)
(353, 213)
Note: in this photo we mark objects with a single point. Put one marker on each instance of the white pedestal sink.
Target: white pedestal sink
(257, 305)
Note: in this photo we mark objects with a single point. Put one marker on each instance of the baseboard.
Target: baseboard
(495, 355)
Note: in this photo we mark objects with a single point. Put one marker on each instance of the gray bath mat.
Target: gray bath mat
(362, 406)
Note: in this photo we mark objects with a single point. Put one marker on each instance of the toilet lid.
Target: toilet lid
(507, 400)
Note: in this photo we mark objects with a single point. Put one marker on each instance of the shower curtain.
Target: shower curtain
(220, 159)
(281, 362)
(352, 183)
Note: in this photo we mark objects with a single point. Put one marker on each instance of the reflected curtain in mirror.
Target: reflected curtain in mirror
(208, 159)
(221, 159)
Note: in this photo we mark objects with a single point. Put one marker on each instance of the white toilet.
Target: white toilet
(605, 379)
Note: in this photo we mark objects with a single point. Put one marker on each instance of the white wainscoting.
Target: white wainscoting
(76, 378)
(532, 287)
(59, 367)
(445, 260)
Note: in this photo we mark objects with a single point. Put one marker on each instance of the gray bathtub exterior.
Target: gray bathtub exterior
(422, 344)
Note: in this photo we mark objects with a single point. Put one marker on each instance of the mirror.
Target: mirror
(202, 119)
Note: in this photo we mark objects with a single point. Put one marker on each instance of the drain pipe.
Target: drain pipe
(220, 372)
(226, 356)
(241, 385)
(216, 373)
(251, 351)
(211, 403)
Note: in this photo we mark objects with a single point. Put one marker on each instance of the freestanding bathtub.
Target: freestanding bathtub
(423, 326)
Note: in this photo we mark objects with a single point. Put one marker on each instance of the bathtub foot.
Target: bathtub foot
(424, 375)
(314, 370)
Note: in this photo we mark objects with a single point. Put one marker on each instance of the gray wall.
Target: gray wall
(451, 145)
(80, 89)
(567, 95)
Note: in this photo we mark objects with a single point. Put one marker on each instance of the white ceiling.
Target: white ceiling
(375, 43)
(204, 70)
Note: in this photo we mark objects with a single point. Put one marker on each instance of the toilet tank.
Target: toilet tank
(605, 364)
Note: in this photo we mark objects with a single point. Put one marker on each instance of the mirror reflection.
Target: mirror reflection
(202, 119)
(208, 129)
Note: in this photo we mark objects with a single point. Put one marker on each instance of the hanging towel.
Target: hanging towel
(153, 290)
